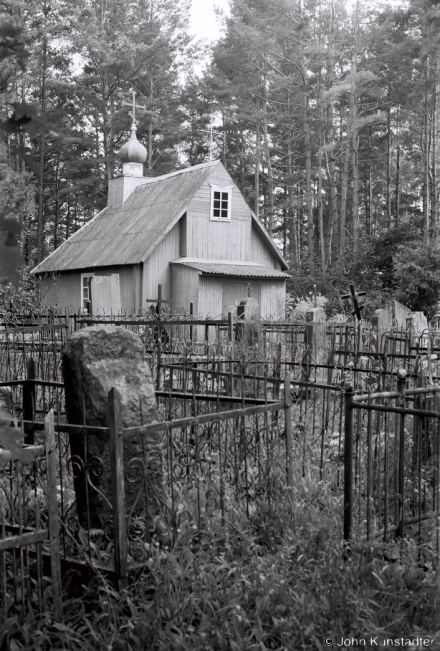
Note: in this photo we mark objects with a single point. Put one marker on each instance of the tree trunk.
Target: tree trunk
(434, 149)
(309, 200)
(355, 133)
(257, 171)
(344, 190)
(397, 175)
(389, 215)
(320, 209)
(426, 192)
(270, 211)
(150, 127)
(40, 218)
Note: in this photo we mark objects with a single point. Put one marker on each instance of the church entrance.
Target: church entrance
(234, 292)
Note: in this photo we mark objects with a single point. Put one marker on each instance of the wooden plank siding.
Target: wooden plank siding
(185, 289)
(260, 251)
(157, 269)
(210, 297)
(272, 296)
(213, 239)
(273, 299)
(63, 290)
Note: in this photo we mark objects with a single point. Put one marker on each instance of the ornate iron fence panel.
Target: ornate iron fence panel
(191, 474)
(392, 466)
(43, 344)
(29, 527)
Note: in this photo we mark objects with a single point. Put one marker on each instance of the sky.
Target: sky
(204, 23)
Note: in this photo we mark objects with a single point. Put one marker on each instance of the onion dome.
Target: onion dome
(133, 151)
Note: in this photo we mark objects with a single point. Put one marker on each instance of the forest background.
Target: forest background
(325, 113)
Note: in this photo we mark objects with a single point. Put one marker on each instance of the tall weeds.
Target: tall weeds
(279, 582)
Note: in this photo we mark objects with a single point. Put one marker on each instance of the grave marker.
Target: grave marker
(95, 360)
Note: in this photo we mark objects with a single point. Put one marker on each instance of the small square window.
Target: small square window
(221, 204)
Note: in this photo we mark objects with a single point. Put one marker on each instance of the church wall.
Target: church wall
(214, 239)
(62, 291)
(210, 297)
(272, 296)
(260, 251)
(157, 270)
(273, 299)
(185, 288)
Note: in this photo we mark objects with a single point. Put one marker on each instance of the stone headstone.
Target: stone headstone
(400, 313)
(417, 323)
(94, 360)
(383, 319)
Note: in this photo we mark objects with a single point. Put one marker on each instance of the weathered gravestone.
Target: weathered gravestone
(94, 360)
(382, 320)
(417, 323)
(400, 314)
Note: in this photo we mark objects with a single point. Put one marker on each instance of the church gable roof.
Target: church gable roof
(126, 233)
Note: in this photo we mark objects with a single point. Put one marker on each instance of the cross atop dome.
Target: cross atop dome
(133, 154)
(133, 108)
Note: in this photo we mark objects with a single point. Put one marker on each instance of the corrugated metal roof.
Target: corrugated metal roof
(124, 234)
(243, 270)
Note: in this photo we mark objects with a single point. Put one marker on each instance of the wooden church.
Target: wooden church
(190, 231)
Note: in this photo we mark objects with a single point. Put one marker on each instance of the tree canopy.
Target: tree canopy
(325, 114)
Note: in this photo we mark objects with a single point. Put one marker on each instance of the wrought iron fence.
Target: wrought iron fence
(30, 353)
(391, 460)
(165, 481)
(29, 536)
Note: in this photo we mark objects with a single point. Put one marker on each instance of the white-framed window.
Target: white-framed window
(221, 200)
(86, 293)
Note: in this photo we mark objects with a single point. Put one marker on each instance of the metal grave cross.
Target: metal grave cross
(352, 300)
(159, 300)
(134, 107)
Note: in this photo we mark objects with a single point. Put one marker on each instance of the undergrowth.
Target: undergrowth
(278, 582)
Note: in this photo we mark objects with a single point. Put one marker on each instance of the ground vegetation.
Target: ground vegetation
(279, 582)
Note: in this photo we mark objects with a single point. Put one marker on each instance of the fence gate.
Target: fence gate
(29, 526)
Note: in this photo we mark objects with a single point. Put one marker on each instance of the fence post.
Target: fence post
(288, 423)
(315, 340)
(29, 401)
(401, 380)
(348, 468)
(52, 507)
(118, 484)
(230, 326)
(159, 357)
(191, 316)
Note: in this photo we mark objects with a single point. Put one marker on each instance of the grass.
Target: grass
(279, 582)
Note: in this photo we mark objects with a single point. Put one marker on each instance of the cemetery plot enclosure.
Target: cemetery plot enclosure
(392, 466)
(238, 425)
(203, 468)
(30, 571)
